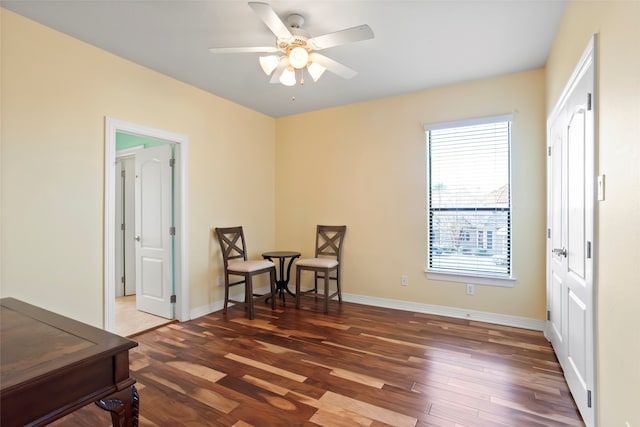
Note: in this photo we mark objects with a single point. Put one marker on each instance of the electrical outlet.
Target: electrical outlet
(471, 289)
(404, 280)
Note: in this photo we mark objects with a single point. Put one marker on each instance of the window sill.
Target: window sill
(505, 282)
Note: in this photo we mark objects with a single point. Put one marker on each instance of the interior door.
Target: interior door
(129, 200)
(153, 200)
(571, 231)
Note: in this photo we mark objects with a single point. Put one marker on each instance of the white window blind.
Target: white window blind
(469, 198)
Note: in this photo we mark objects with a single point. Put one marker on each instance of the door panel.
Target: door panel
(576, 189)
(153, 239)
(557, 292)
(152, 277)
(576, 351)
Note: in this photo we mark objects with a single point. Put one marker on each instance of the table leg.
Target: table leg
(282, 278)
(124, 406)
(286, 278)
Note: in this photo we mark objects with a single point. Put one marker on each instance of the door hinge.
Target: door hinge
(173, 298)
(122, 279)
(172, 231)
(549, 151)
(123, 173)
(588, 102)
(589, 398)
(548, 314)
(548, 233)
(172, 162)
(588, 250)
(122, 226)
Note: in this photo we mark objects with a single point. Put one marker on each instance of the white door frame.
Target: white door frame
(112, 126)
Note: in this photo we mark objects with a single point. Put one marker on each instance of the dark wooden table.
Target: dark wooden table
(51, 365)
(282, 281)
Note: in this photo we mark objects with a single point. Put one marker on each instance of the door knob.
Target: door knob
(138, 239)
(561, 252)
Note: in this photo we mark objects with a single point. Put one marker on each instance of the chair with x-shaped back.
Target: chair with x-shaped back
(234, 256)
(326, 263)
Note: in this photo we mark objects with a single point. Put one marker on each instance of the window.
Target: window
(469, 198)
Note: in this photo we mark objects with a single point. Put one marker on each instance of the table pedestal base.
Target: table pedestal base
(282, 281)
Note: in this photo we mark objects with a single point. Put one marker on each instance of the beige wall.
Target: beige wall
(364, 165)
(56, 92)
(618, 226)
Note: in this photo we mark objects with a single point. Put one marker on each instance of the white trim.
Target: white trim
(208, 309)
(458, 313)
(469, 122)
(505, 282)
(112, 126)
(128, 152)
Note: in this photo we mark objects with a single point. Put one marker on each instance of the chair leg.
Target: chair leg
(272, 277)
(226, 293)
(249, 296)
(298, 269)
(315, 283)
(338, 286)
(326, 292)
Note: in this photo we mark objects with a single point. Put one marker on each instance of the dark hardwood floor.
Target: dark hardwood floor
(359, 365)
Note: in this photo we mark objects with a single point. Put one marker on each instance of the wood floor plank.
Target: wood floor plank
(358, 365)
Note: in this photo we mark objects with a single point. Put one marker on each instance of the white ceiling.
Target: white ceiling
(417, 45)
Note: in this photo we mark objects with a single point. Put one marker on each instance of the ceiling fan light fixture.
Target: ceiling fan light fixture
(269, 63)
(316, 70)
(298, 57)
(288, 77)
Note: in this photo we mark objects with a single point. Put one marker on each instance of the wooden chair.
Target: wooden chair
(326, 263)
(234, 255)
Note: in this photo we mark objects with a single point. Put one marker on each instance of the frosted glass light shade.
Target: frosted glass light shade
(298, 57)
(269, 63)
(288, 77)
(316, 70)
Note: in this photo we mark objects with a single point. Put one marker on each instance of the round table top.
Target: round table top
(281, 254)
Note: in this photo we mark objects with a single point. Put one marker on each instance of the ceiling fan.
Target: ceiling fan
(296, 50)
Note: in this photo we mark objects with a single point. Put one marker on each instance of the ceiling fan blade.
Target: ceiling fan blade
(350, 35)
(272, 20)
(275, 77)
(250, 49)
(333, 66)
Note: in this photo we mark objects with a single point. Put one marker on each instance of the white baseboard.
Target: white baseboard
(207, 309)
(458, 313)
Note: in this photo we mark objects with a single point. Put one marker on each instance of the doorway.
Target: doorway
(179, 292)
(144, 254)
(571, 248)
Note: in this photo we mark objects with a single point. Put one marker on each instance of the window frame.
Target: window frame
(506, 280)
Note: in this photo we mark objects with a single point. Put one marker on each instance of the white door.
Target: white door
(129, 247)
(125, 233)
(570, 246)
(119, 262)
(152, 226)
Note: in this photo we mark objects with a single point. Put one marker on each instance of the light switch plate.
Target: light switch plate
(600, 187)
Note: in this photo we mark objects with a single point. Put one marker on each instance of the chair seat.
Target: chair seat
(317, 262)
(249, 266)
